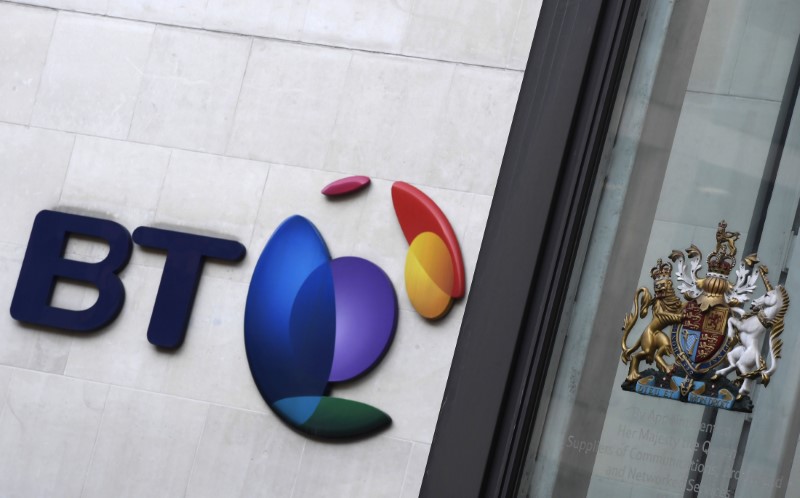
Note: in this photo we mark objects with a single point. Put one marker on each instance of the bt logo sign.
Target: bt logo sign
(44, 264)
(310, 320)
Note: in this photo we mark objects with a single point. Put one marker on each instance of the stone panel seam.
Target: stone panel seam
(405, 472)
(347, 76)
(407, 33)
(136, 389)
(197, 450)
(206, 403)
(96, 436)
(270, 163)
(69, 165)
(238, 96)
(145, 391)
(3, 407)
(277, 39)
(739, 46)
(733, 95)
(161, 187)
(408, 440)
(514, 34)
(141, 82)
(44, 65)
(299, 467)
(258, 210)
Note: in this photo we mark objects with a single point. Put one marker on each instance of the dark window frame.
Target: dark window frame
(529, 247)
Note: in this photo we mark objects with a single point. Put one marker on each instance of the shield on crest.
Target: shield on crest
(699, 341)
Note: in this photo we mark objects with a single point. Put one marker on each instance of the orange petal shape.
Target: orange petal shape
(429, 276)
(417, 213)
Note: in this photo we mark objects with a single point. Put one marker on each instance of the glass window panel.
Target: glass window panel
(708, 132)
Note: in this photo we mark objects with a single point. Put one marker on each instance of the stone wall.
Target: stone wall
(224, 117)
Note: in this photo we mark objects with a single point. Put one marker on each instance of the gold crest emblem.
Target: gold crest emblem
(697, 341)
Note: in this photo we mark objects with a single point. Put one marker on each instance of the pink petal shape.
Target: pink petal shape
(346, 185)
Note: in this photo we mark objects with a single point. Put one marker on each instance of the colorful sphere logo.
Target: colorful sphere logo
(311, 321)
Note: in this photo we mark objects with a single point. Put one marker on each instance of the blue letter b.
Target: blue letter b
(44, 264)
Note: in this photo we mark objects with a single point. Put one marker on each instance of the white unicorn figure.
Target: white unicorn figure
(767, 313)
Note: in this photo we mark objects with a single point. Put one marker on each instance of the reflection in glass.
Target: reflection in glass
(706, 133)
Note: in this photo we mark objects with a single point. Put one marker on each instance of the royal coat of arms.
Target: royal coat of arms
(698, 341)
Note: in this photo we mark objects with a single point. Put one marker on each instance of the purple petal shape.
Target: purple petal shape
(366, 316)
(346, 185)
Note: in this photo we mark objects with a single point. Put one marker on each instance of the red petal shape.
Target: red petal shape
(417, 213)
(346, 185)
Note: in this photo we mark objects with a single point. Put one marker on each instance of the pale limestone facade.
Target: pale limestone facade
(225, 117)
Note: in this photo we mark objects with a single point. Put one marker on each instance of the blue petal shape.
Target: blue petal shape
(294, 252)
(291, 327)
(313, 332)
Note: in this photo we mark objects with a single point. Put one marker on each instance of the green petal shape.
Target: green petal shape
(343, 418)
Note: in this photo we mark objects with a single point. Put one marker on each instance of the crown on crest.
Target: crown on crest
(720, 263)
(722, 260)
(661, 270)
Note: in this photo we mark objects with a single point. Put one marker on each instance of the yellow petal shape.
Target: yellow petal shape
(429, 275)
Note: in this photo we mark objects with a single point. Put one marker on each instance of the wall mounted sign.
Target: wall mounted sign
(44, 264)
(711, 334)
(311, 321)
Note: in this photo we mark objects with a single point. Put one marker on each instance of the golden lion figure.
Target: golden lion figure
(653, 344)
